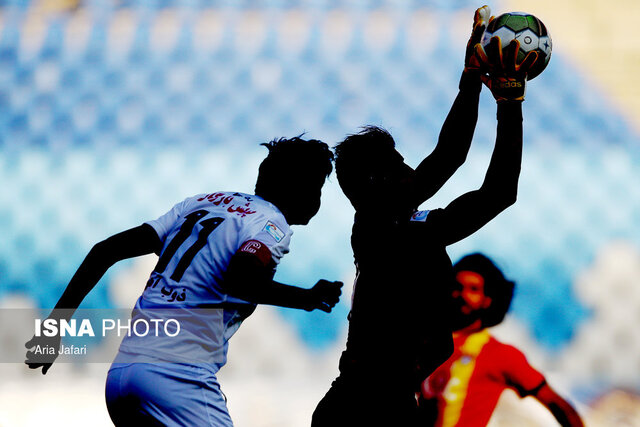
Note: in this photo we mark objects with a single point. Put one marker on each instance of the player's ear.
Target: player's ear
(486, 303)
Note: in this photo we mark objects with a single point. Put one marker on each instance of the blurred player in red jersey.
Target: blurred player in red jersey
(403, 271)
(465, 390)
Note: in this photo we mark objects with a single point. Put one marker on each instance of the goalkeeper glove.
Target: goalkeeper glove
(480, 20)
(507, 78)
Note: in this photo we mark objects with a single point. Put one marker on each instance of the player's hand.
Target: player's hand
(40, 356)
(507, 79)
(481, 19)
(324, 295)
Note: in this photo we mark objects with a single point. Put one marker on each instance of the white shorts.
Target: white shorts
(165, 394)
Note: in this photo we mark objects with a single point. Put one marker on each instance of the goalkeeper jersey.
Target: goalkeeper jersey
(399, 314)
(185, 294)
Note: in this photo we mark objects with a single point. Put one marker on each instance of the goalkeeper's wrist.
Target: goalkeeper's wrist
(470, 81)
(509, 110)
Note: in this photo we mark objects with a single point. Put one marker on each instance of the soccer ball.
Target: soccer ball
(528, 30)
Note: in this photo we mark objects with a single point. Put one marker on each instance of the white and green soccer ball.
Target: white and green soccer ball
(528, 30)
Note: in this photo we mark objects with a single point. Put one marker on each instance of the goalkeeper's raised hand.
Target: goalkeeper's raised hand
(507, 78)
(481, 19)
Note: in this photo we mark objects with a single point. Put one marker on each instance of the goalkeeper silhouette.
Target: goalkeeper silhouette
(399, 325)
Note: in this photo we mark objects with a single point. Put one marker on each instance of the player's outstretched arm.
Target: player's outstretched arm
(250, 278)
(131, 243)
(507, 80)
(469, 212)
(561, 409)
(457, 131)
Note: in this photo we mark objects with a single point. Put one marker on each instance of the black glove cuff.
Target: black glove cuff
(470, 81)
(509, 110)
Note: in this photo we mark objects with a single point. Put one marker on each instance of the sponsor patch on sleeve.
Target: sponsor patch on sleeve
(419, 216)
(257, 248)
(274, 231)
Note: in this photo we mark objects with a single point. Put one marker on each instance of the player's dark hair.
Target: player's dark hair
(357, 155)
(288, 158)
(496, 286)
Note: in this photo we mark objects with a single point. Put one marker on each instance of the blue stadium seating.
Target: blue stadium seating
(81, 136)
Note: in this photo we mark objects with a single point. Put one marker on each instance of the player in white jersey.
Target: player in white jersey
(218, 253)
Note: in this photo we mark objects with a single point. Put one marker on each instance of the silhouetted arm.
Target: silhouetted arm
(559, 407)
(453, 143)
(249, 277)
(138, 241)
(131, 243)
(469, 212)
(457, 131)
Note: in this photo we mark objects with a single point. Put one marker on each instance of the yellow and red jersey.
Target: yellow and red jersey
(468, 385)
